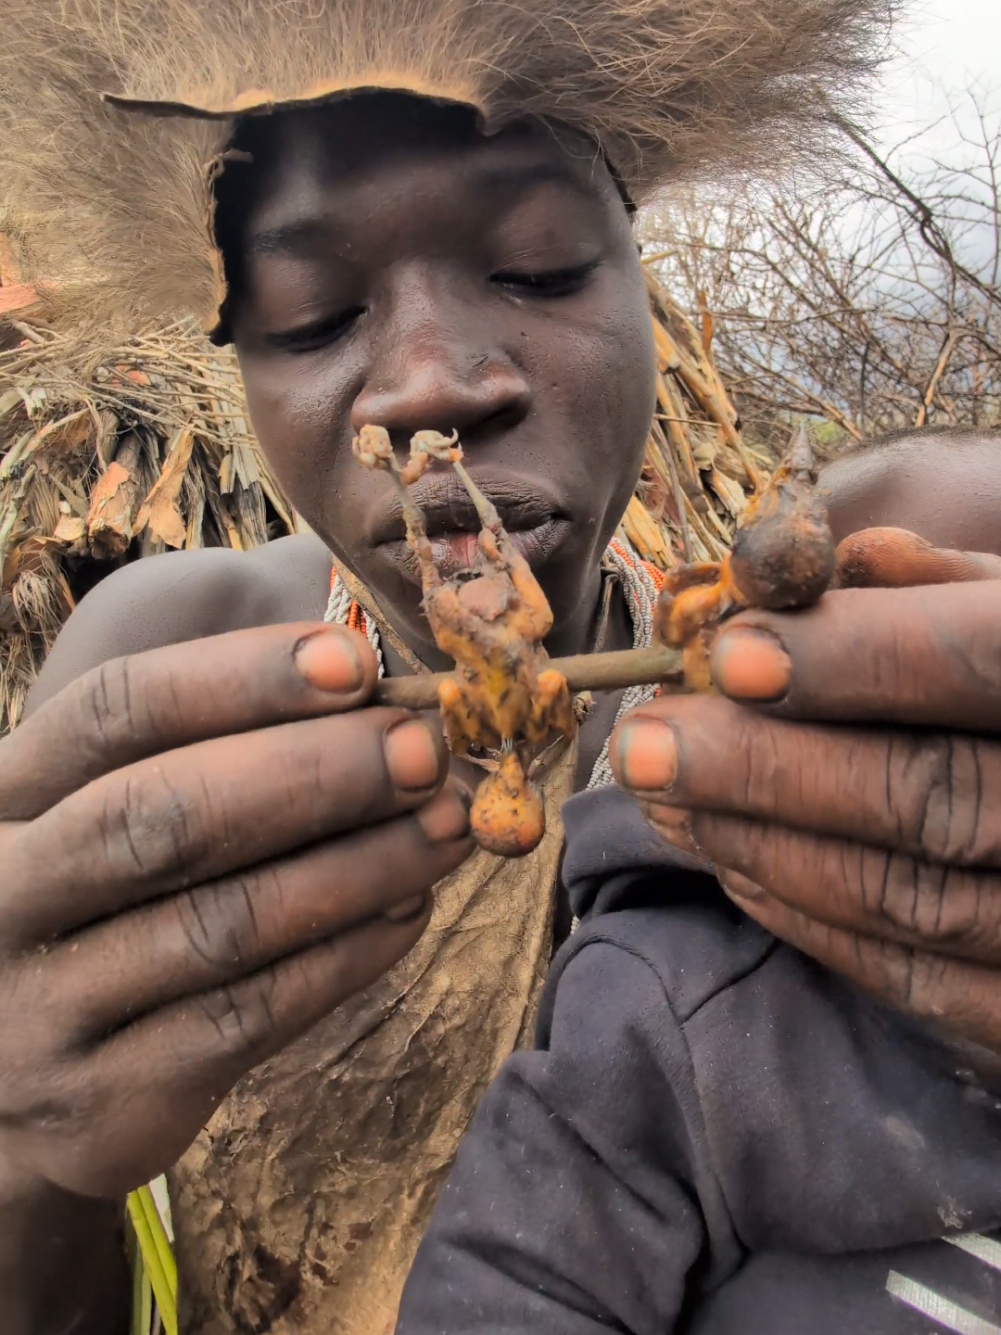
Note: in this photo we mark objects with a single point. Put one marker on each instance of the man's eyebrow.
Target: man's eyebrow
(296, 235)
(303, 234)
(518, 180)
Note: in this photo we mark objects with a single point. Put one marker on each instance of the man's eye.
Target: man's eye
(550, 283)
(317, 334)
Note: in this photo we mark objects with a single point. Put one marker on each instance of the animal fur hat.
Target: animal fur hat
(112, 112)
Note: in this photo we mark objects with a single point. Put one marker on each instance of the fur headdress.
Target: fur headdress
(112, 110)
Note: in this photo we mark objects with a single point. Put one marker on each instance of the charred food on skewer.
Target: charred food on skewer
(783, 558)
(504, 700)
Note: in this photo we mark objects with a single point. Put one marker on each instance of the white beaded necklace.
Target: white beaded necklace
(639, 584)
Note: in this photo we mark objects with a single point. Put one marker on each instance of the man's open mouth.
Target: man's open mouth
(531, 518)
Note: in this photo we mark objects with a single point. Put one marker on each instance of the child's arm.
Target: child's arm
(575, 1206)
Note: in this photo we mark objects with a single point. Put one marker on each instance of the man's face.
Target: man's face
(394, 266)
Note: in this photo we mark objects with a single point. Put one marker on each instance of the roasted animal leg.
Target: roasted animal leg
(504, 699)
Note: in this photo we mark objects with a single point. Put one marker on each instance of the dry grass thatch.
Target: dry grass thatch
(111, 451)
(664, 88)
(108, 454)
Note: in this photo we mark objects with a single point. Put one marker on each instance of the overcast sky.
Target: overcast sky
(944, 44)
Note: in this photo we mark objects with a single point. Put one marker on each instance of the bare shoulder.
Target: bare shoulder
(186, 596)
(943, 485)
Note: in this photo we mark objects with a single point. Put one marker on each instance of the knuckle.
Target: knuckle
(935, 791)
(48, 1092)
(929, 977)
(886, 968)
(108, 702)
(903, 892)
(243, 1017)
(125, 699)
(941, 905)
(149, 826)
(742, 845)
(749, 759)
(932, 903)
(56, 1098)
(219, 921)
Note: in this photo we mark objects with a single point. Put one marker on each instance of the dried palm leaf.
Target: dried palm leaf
(111, 450)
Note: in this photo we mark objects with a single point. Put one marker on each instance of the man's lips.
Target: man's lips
(456, 549)
(447, 508)
(531, 518)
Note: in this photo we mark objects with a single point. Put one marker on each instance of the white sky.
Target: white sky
(944, 48)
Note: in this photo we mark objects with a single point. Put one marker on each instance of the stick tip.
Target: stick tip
(800, 453)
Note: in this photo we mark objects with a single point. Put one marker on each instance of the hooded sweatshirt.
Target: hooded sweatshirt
(715, 1135)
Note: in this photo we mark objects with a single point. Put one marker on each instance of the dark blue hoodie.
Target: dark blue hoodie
(715, 1135)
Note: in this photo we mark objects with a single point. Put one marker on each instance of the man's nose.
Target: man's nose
(436, 368)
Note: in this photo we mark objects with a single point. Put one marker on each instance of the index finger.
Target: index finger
(131, 708)
(928, 656)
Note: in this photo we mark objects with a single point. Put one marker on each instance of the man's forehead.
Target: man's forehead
(318, 165)
(295, 218)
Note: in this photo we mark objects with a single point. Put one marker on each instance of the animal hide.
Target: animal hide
(120, 203)
(300, 1206)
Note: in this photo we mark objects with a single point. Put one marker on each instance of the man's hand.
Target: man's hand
(205, 849)
(855, 808)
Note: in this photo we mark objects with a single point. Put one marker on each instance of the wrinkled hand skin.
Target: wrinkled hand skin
(206, 848)
(873, 845)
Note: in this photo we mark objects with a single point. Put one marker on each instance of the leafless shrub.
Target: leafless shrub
(870, 302)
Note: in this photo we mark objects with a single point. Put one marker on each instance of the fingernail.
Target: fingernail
(674, 825)
(645, 755)
(410, 908)
(329, 661)
(412, 757)
(750, 665)
(737, 885)
(446, 816)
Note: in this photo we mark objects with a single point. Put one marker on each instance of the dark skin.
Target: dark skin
(945, 486)
(871, 846)
(507, 306)
(217, 841)
(245, 843)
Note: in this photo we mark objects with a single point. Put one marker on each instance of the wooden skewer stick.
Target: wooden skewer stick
(584, 672)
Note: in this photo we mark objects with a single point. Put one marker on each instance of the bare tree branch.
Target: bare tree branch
(870, 302)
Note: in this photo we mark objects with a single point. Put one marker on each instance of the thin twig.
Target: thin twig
(584, 672)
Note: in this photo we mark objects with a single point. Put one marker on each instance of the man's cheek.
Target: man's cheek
(300, 430)
(605, 390)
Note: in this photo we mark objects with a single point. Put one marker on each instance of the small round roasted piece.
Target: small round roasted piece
(783, 552)
(507, 815)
